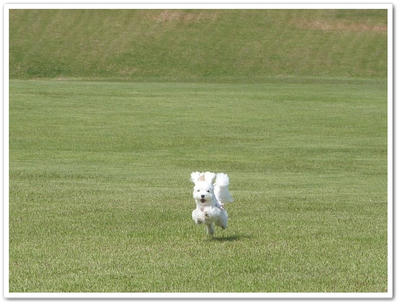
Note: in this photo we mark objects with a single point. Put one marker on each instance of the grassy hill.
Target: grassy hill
(197, 45)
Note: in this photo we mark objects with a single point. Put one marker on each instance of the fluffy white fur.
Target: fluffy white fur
(210, 199)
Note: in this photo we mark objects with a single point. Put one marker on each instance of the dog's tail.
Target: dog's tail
(221, 189)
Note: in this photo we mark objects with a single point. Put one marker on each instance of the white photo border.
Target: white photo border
(205, 5)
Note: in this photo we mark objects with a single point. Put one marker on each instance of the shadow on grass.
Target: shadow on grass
(233, 237)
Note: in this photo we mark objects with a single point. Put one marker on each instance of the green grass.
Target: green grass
(197, 45)
(100, 197)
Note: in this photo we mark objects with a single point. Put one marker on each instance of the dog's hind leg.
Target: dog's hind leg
(224, 223)
(222, 219)
(210, 229)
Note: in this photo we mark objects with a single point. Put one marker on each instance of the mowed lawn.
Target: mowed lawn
(100, 197)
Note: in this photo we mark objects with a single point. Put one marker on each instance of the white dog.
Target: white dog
(210, 198)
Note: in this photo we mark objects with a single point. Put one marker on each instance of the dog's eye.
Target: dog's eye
(208, 191)
(198, 190)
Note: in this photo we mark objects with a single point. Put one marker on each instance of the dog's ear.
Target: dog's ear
(209, 177)
(194, 177)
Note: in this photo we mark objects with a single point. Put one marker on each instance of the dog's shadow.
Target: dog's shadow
(233, 237)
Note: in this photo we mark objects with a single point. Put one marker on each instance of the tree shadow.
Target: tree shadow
(233, 237)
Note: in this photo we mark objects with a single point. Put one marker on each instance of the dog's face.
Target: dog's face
(203, 190)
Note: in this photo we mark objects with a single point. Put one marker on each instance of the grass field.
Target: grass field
(100, 197)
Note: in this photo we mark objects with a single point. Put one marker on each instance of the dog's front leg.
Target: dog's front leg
(210, 228)
(198, 216)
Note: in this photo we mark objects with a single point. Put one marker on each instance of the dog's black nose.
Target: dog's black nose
(202, 196)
